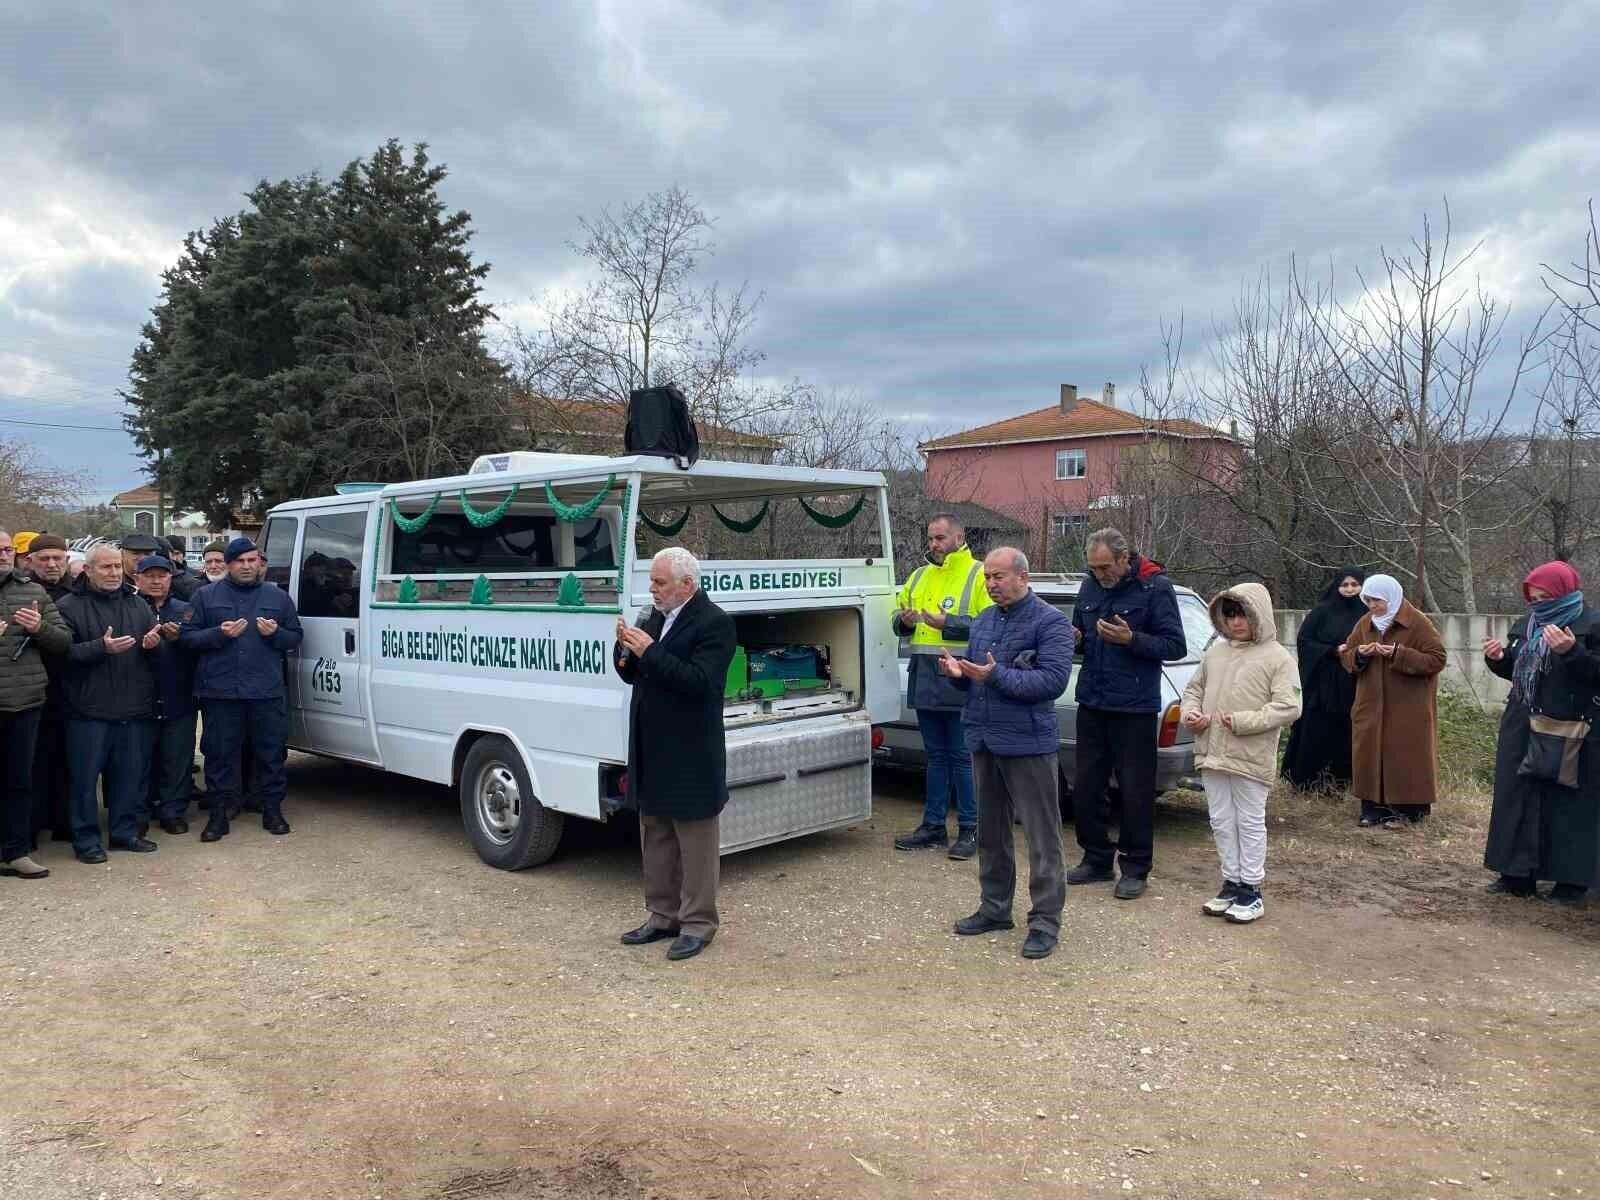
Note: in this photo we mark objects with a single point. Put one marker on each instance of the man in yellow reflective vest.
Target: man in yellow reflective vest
(934, 612)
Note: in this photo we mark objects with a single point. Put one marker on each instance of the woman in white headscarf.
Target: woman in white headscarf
(1396, 655)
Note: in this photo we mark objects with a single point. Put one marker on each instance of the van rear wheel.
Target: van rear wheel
(504, 820)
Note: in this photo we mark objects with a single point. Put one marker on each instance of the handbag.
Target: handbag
(1555, 747)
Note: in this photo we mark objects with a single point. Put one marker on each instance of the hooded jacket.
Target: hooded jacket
(23, 682)
(1257, 681)
(101, 686)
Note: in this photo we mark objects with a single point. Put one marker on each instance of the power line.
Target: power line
(55, 425)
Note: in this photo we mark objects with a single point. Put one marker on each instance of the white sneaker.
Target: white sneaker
(1222, 901)
(1246, 908)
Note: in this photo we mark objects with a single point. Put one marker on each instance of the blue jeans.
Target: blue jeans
(118, 750)
(949, 766)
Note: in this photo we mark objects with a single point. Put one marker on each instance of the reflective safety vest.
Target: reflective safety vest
(954, 588)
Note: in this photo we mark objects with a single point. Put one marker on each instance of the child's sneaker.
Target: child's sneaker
(1246, 906)
(1222, 901)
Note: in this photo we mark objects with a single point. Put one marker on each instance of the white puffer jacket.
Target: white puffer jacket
(1257, 681)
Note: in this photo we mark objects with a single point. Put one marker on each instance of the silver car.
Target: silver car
(900, 743)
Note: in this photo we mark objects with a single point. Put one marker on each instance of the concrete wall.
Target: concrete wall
(1463, 635)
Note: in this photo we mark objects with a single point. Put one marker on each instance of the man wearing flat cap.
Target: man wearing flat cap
(172, 742)
(134, 547)
(240, 632)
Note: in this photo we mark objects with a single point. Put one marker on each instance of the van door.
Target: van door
(332, 670)
(279, 541)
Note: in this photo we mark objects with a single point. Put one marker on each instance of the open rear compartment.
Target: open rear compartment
(799, 736)
(792, 665)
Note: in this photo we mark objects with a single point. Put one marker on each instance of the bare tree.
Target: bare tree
(1412, 352)
(646, 318)
(32, 493)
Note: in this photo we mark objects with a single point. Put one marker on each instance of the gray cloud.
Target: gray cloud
(949, 211)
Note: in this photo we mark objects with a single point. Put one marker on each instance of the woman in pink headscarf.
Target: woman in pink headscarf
(1542, 828)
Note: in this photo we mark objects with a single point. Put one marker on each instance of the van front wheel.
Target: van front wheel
(507, 825)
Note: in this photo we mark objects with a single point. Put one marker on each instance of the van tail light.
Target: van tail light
(1169, 726)
(877, 737)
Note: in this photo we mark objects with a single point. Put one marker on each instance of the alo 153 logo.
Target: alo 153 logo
(325, 677)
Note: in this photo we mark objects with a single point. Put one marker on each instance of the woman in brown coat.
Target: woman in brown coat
(1396, 655)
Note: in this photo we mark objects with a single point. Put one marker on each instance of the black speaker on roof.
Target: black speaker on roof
(659, 423)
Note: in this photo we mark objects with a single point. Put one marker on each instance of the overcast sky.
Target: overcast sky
(949, 214)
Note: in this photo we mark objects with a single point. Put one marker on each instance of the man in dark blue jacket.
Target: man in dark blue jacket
(240, 632)
(1128, 624)
(1017, 662)
(172, 742)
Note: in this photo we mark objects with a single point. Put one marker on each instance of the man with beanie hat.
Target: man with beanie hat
(240, 633)
(212, 564)
(51, 808)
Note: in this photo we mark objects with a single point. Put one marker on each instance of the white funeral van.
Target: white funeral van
(459, 630)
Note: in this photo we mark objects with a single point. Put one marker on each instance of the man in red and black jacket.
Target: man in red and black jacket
(1126, 619)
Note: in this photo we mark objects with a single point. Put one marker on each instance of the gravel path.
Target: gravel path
(364, 1010)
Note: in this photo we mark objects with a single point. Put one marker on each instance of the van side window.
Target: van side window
(277, 543)
(330, 568)
(519, 542)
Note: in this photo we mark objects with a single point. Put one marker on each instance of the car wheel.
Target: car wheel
(504, 820)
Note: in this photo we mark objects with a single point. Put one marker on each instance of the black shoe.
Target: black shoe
(923, 837)
(1038, 945)
(139, 845)
(648, 933)
(1129, 887)
(275, 825)
(1513, 885)
(966, 845)
(687, 946)
(174, 825)
(212, 834)
(1087, 872)
(92, 857)
(978, 923)
(1569, 894)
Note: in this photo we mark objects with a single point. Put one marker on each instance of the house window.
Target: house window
(1071, 464)
(1068, 527)
(144, 522)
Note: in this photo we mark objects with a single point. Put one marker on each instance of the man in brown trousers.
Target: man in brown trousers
(677, 660)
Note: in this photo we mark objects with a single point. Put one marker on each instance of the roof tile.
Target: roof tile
(1088, 418)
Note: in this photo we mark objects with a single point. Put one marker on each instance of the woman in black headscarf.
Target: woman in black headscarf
(1318, 755)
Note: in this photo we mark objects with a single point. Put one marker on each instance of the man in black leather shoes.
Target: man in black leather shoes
(240, 630)
(1016, 665)
(110, 694)
(171, 772)
(677, 660)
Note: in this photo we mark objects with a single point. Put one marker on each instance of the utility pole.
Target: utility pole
(161, 496)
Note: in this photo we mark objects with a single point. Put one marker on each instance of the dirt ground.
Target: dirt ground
(364, 1010)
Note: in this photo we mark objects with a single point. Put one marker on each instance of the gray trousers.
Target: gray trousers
(682, 864)
(1027, 788)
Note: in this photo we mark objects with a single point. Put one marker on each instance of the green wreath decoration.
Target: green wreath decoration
(835, 522)
(743, 526)
(668, 528)
(624, 548)
(569, 514)
(417, 523)
(482, 520)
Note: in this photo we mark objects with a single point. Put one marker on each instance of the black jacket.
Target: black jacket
(1128, 678)
(173, 666)
(185, 583)
(55, 665)
(101, 686)
(677, 748)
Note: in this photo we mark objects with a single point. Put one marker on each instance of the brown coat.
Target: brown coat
(1394, 743)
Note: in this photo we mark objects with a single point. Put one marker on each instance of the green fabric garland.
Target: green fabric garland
(584, 511)
(623, 550)
(666, 529)
(832, 522)
(417, 523)
(743, 526)
(482, 520)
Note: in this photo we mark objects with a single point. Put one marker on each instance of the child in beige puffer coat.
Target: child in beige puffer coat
(1246, 689)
